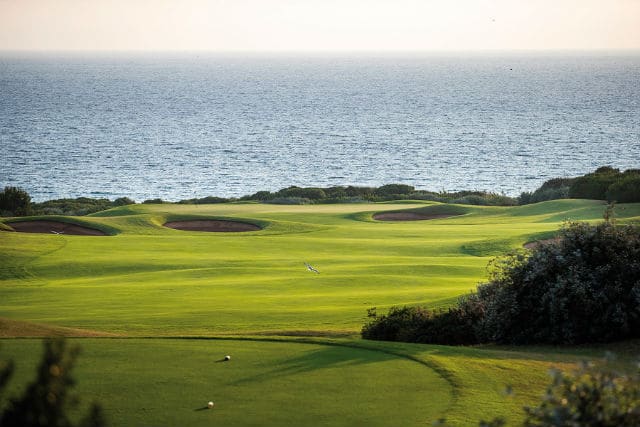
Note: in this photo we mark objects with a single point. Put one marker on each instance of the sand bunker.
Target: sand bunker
(408, 216)
(536, 243)
(54, 226)
(212, 225)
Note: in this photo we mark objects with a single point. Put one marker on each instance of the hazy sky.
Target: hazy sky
(319, 25)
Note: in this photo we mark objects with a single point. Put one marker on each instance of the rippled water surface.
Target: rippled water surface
(178, 126)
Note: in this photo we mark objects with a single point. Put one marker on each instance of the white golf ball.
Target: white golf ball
(210, 405)
(227, 358)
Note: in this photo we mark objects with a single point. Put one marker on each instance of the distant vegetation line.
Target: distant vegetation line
(604, 183)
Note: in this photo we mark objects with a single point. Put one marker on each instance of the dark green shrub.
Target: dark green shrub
(605, 183)
(454, 326)
(594, 185)
(14, 201)
(154, 201)
(364, 192)
(545, 193)
(394, 189)
(123, 201)
(336, 193)
(77, 206)
(205, 200)
(306, 193)
(589, 397)
(260, 196)
(626, 190)
(400, 324)
(288, 201)
(46, 402)
(584, 288)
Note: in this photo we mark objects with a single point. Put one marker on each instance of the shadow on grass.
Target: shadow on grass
(335, 356)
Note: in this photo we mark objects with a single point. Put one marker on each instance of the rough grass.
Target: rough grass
(16, 328)
(150, 281)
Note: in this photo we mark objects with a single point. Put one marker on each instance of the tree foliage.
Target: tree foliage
(14, 201)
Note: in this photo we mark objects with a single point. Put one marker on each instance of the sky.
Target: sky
(319, 25)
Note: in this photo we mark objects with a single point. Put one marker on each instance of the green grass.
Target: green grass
(145, 280)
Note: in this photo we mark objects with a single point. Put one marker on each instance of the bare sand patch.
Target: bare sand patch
(212, 225)
(54, 226)
(536, 243)
(408, 216)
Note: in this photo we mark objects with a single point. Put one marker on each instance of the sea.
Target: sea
(182, 125)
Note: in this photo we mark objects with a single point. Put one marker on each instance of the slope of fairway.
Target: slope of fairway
(151, 280)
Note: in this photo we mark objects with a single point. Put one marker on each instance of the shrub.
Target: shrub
(583, 288)
(77, 206)
(209, 200)
(47, 400)
(589, 397)
(394, 189)
(544, 194)
(304, 193)
(454, 326)
(364, 192)
(154, 201)
(594, 185)
(260, 195)
(605, 183)
(123, 201)
(400, 324)
(626, 190)
(288, 201)
(14, 201)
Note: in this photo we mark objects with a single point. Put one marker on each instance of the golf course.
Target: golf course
(157, 294)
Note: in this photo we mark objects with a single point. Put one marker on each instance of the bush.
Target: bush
(583, 288)
(14, 201)
(605, 183)
(123, 201)
(544, 194)
(77, 206)
(588, 398)
(154, 201)
(209, 200)
(302, 193)
(626, 190)
(47, 400)
(288, 201)
(400, 324)
(394, 189)
(418, 324)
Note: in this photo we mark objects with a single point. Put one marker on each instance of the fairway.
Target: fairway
(149, 287)
(265, 383)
